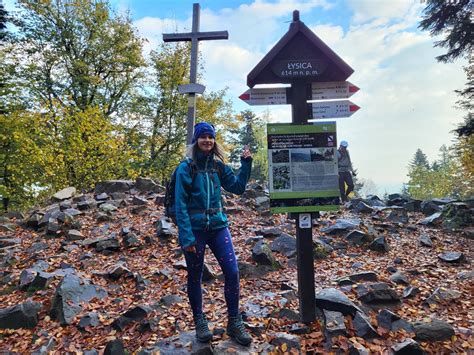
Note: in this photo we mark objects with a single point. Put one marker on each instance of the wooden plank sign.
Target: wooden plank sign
(333, 109)
(265, 96)
(332, 90)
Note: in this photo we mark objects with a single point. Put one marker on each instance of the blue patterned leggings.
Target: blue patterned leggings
(220, 243)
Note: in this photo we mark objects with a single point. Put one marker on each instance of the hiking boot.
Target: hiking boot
(236, 330)
(203, 334)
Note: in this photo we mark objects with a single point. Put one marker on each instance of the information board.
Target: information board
(303, 172)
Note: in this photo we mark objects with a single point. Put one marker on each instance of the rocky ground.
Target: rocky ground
(102, 273)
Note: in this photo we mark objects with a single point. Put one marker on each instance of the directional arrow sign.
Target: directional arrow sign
(317, 91)
(332, 90)
(265, 96)
(333, 109)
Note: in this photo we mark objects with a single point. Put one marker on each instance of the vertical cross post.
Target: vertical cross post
(193, 88)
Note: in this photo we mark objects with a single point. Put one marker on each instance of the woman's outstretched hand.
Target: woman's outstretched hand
(246, 152)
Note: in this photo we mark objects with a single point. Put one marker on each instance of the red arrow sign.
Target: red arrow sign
(333, 109)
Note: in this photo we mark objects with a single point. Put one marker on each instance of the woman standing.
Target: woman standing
(201, 221)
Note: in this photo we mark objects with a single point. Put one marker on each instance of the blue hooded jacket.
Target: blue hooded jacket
(194, 198)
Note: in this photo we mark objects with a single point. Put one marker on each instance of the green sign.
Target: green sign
(303, 170)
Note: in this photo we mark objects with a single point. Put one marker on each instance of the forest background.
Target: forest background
(80, 103)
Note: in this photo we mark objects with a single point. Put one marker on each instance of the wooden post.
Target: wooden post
(304, 236)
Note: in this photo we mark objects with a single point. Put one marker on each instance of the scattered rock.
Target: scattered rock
(74, 235)
(135, 314)
(70, 293)
(429, 207)
(357, 237)
(256, 310)
(102, 197)
(321, 249)
(435, 330)
(393, 322)
(341, 226)
(23, 315)
(37, 247)
(89, 320)
(118, 271)
(362, 207)
(284, 244)
(207, 273)
(86, 205)
(109, 244)
(112, 186)
(7, 242)
(441, 295)
(262, 254)
(334, 324)
(452, 257)
(139, 210)
(410, 291)
(399, 278)
(114, 347)
(433, 219)
(334, 300)
(108, 208)
(139, 201)
(466, 275)
(34, 220)
(291, 341)
(180, 265)
(186, 343)
(269, 232)
(164, 228)
(398, 215)
(407, 347)
(425, 241)
(148, 185)
(376, 293)
(131, 241)
(362, 326)
(380, 245)
(170, 300)
(64, 194)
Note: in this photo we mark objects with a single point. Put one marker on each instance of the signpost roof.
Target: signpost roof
(297, 45)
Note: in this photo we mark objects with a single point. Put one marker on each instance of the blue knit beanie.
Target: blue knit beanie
(202, 128)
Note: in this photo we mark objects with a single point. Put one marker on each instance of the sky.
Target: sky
(407, 98)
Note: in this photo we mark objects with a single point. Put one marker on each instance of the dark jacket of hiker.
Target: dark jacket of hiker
(198, 202)
(344, 161)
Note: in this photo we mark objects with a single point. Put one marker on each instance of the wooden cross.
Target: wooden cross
(193, 88)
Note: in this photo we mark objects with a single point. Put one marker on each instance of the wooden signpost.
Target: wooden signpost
(193, 88)
(301, 59)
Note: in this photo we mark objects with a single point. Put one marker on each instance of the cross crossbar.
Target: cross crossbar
(194, 37)
(200, 36)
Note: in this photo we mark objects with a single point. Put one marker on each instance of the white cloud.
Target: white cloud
(406, 97)
(383, 10)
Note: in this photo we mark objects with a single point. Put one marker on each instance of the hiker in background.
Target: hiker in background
(201, 221)
(345, 171)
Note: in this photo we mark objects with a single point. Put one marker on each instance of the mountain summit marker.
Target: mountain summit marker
(193, 88)
(303, 173)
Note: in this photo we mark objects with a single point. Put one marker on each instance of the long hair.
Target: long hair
(192, 149)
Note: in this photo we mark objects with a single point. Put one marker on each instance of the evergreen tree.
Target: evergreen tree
(420, 160)
(250, 133)
(454, 20)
